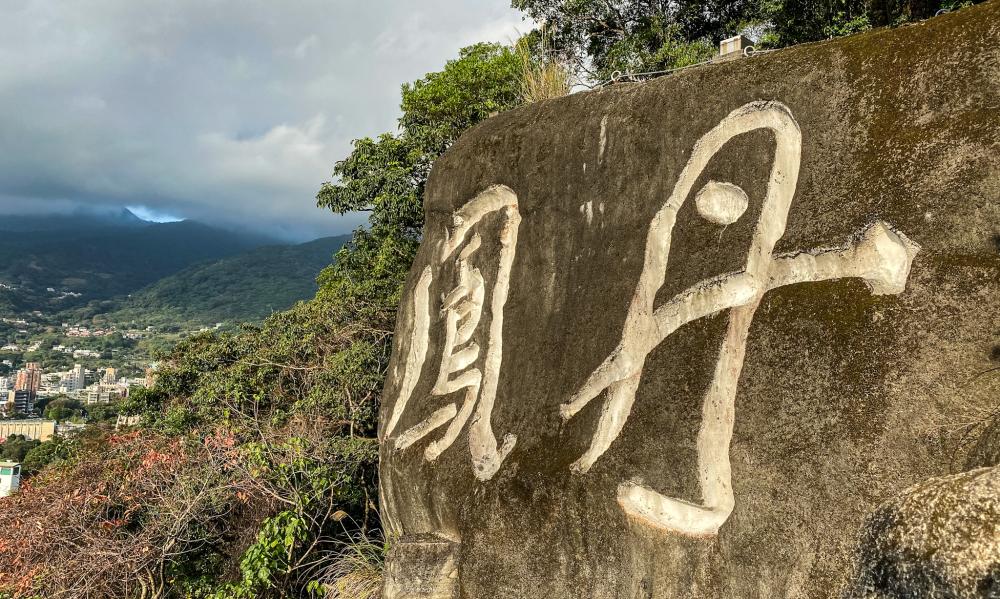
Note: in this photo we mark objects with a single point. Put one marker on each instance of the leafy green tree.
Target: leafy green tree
(63, 409)
(484, 80)
(16, 447)
(797, 21)
(604, 36)
(102, 412)
(57, 449)
(385, 176)
(147, 402)
(41, 403)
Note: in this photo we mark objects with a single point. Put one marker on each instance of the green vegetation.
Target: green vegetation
(245, 287)
(101, 262)
(15, 447)
(56, 450)
(601, 37)
(248, 286)
(255, 470)
(63, 409)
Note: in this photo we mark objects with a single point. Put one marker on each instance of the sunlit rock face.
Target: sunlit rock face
(940, 538)
(682, 338)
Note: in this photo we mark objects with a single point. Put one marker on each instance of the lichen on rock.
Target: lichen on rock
(986, 451)
(939, 539)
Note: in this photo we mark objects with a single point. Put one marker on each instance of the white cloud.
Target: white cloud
(305, 46)
(278, 157)
(228, 111)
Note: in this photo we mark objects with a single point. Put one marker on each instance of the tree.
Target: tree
(56, 449)
(386, 175)
(63, 409)
(604, 36)
(107, 412)
(797, 21)
(16, 447)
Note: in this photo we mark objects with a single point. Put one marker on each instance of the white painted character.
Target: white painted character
(880, 256)
(461, 311)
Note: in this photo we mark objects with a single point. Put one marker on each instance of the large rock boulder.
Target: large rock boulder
(939, 539)
(678, 338)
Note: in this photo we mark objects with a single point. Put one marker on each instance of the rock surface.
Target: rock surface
(986, 451)
(938, 540)
(679, 338)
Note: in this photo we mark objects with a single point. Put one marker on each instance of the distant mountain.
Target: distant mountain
(78, 221)
(244, 287)
(53, 267)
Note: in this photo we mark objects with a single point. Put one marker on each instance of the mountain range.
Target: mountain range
(93, 263)
(247, 286)
(101, 219)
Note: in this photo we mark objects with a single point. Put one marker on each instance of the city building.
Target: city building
(77, 379)
(20, 401)
(35, 428)
(29, 378)
(103, 394)
(10, 478)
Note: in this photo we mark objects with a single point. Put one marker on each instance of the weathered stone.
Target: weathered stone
(986, 451)
(940, 539)
(422, 567)
(678, 338)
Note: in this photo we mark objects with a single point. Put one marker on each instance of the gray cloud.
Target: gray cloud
(227, 111)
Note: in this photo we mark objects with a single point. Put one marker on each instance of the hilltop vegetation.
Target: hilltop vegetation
(248, 286)
(255, 473)
(97, 261)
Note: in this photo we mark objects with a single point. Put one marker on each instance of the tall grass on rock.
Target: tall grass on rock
(544, 74)
(355, 569)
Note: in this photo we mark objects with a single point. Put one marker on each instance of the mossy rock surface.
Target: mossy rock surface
(939, 539)
(986, 451)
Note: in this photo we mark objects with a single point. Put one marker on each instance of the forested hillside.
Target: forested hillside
(73, 222)
(245, 287)
(61, 268)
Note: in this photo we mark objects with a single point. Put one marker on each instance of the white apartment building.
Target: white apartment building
(77, 379)
(10, 478)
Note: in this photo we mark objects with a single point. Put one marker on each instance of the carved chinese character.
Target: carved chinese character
(881, 257)
(461, 311)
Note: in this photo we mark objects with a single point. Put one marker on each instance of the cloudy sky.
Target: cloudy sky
(230, 112)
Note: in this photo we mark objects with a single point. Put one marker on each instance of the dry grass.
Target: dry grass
(544, 77)
(118, 522)
(355, 571)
